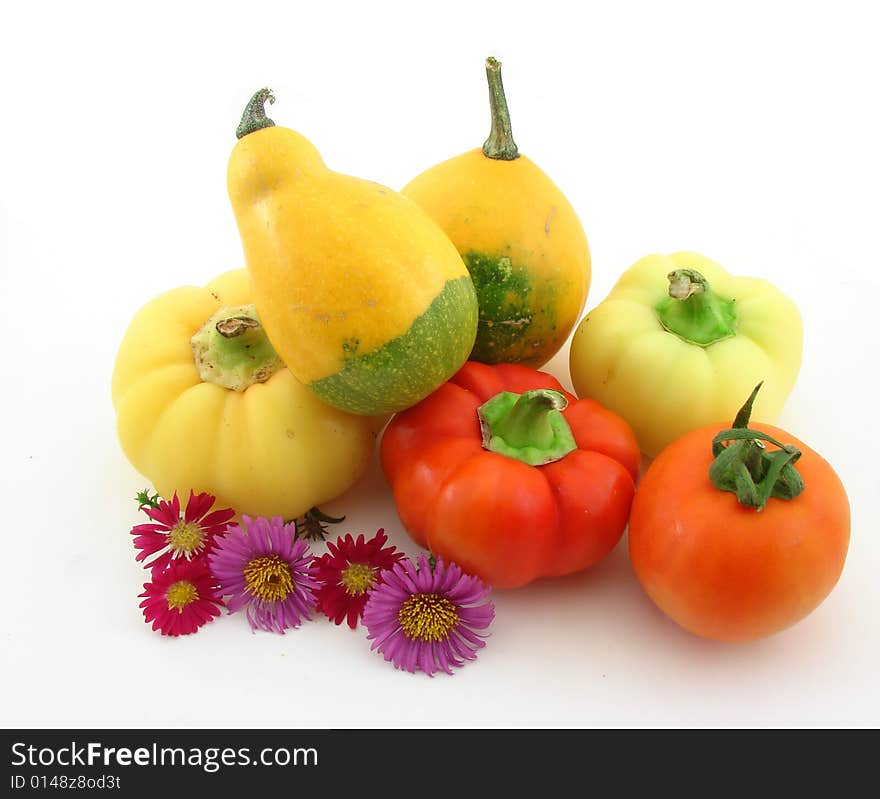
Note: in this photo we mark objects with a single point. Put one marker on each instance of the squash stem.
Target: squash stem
(232, 350)
(254, 117)
(500, 145)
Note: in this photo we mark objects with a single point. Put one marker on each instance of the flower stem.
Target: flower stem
(748, 469)
(500, 145)
(312, 525)
(529, 427)
(694, 312)
(145, 500)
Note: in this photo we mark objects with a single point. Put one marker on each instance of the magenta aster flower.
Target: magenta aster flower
(171, 536)
(348, 572)
(263, 567)
(426, 618)
(182, 598)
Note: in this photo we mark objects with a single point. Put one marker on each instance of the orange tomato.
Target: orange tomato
(730, 572)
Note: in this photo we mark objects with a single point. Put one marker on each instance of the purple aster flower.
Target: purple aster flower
(426, 618)
(263, 567)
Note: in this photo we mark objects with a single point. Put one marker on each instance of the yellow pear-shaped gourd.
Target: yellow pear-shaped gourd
(519, 236)
(361, 293)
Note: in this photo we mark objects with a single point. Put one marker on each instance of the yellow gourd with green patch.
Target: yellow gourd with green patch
(366, 300)
(519, 236)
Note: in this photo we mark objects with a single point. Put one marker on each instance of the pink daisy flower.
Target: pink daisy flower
(182, 598)
(426, 618)
(263, 567)
(348, 572)
(171, 536)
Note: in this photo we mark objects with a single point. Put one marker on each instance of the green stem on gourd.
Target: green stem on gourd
(694, 312)
(748, 469)
(500, 145)
(232, 350)
(254, 117)
(529, 427)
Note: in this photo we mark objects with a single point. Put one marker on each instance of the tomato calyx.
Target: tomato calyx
(529, 427)
(748, 469)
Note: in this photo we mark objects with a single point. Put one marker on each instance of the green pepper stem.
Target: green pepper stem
(500, 145)
(746, 467)
(694, 312)
(254, 117)
(529, 427)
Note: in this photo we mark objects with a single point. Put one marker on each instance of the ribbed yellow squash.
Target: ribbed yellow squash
(193, 414)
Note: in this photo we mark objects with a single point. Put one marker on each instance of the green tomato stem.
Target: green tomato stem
(746, 468)
(500, 145)
(529, 427)
(254, 117)
(232, 350)
(694, 312)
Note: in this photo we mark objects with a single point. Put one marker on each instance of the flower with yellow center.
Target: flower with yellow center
(268, 578)
(182, 598)
(186, 538)
(181, 594)
(428, 616)
(171, 535)
(349, 571)
(266, 570)
(357, 578)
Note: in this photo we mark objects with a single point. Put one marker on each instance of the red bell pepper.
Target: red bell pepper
(504, 472)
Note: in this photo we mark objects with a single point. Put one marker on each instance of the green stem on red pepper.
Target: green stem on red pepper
(745, 466)
(529, 427)
(694, 312)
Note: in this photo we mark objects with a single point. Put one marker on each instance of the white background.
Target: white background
(746, 131)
